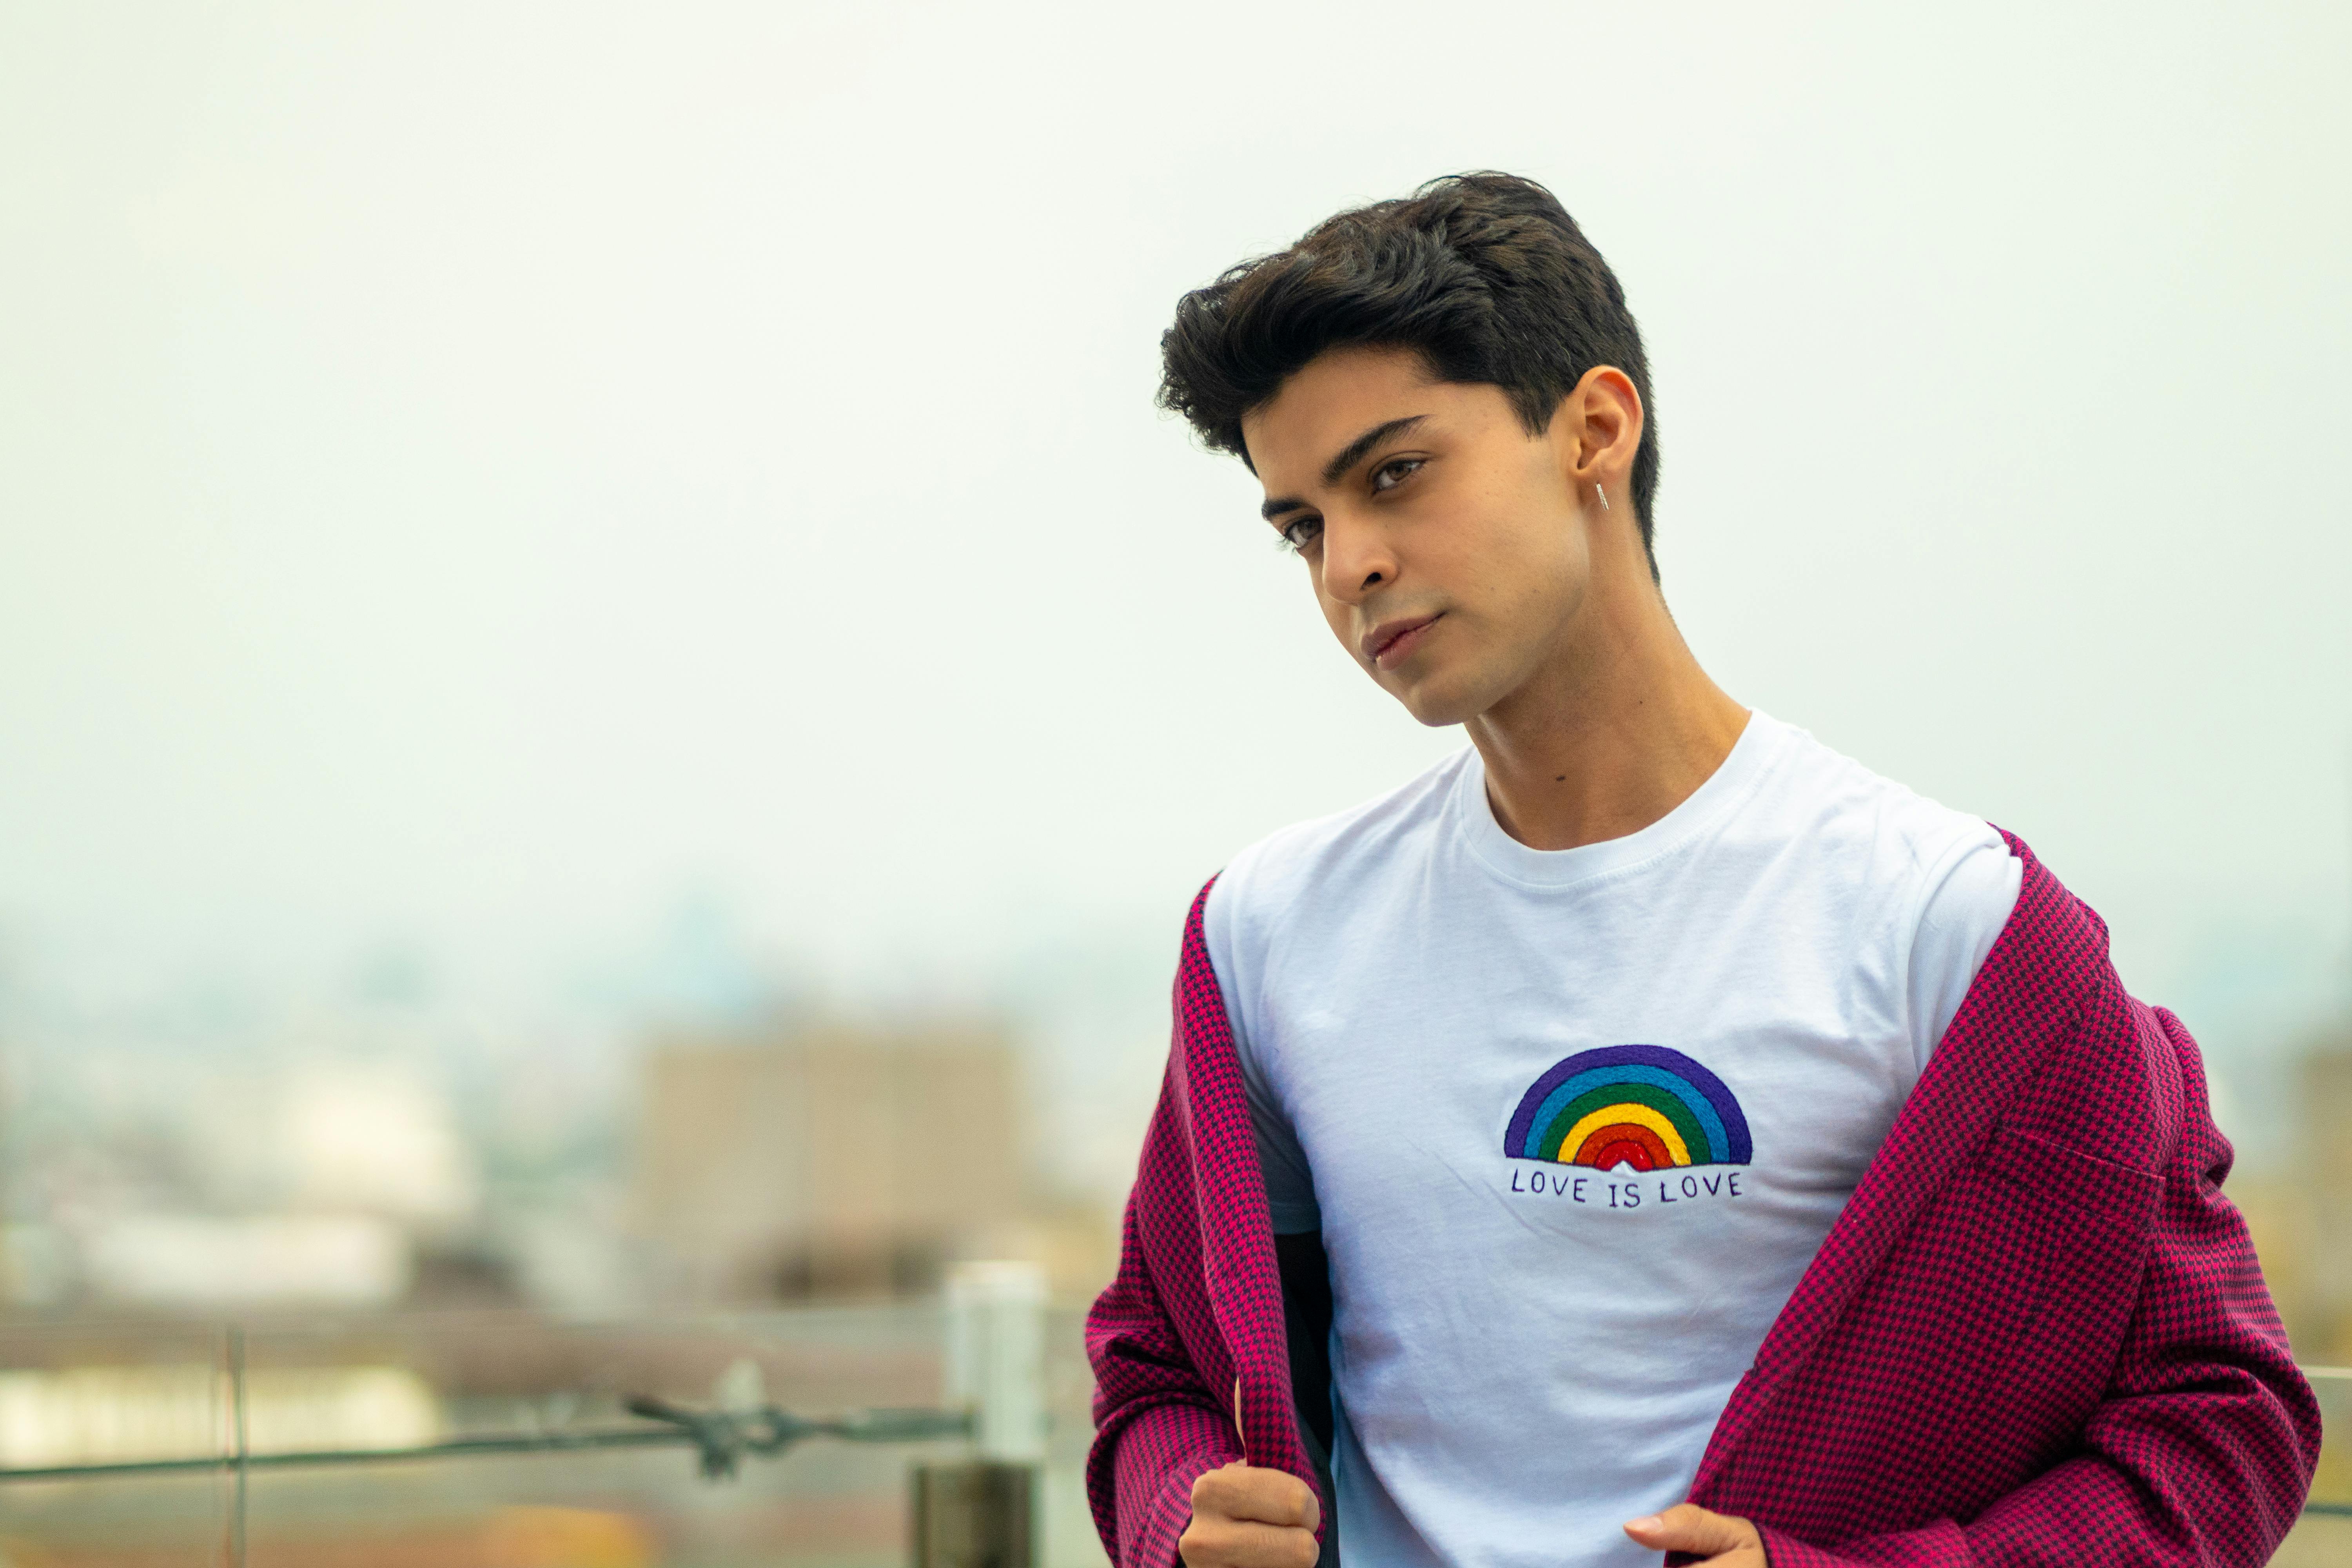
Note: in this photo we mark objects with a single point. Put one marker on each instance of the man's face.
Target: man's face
(1446, 547)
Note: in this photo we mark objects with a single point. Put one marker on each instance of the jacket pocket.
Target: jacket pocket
(2062, 1237)
(1969, 1361)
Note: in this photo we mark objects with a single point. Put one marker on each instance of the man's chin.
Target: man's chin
(1438, 702)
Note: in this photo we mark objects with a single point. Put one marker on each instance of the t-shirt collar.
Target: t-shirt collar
(1760, 745)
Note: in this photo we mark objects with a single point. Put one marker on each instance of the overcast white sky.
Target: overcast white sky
(470, 475)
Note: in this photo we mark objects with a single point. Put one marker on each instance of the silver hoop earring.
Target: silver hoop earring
(1603, 491)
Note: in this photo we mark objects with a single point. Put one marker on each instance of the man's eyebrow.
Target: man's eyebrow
(1347, 458)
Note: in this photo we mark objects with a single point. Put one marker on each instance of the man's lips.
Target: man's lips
(1387, 643)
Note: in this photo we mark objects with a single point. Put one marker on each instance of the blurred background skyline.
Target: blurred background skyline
(577, 582)
(525, 526)
(575, 514)
(476, 486)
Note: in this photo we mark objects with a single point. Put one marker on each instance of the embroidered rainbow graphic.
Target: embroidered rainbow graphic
(1643, 1106)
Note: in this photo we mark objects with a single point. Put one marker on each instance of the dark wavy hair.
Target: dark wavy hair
(1484, 275)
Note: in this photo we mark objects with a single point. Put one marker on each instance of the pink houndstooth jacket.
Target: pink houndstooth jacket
(2037, 1335)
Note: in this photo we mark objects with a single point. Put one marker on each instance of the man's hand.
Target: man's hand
(1244, 1517)
(1720, 1540)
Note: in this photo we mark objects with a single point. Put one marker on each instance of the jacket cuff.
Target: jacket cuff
(1782, 1550)
(1171, 1512)
(1942, 1544)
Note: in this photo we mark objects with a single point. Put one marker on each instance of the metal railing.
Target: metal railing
(721, 1438)
(994, 1378)
(992, 1372)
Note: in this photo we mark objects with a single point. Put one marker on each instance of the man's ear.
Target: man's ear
(1598, 427)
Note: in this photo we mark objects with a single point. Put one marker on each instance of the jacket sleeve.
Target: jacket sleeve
(2202, 1448)
(1157, 1425)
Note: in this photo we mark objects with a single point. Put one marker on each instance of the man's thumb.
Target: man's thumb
(1686, 1527)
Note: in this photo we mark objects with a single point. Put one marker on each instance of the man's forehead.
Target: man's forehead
(1324, 404)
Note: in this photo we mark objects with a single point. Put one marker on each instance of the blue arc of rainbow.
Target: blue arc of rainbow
(1645, 1106)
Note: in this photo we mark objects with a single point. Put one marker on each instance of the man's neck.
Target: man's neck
(1616, 729)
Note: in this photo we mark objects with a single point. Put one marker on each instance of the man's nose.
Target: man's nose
(1357, 559)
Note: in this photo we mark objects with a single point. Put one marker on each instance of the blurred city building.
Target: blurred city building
(2319, 1261)
(833, 1161)
(366, 1169)
(99, 1414)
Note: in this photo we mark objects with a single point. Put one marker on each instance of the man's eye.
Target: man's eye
(1389, 475)
(1301, 532)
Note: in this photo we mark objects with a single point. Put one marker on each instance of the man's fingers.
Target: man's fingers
(1686, 1527)
(1213, 1542)
(1245, 1492)
(1244, 1517)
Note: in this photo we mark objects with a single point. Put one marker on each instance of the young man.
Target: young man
(1647, 1131)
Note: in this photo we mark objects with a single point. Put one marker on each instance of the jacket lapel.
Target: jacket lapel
(1237, 1258)
(2024, 998)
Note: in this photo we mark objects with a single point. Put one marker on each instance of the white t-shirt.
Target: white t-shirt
(1573, 1122)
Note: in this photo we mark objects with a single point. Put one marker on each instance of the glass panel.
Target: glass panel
(2334, 1483)
(344, 1387)
(2324, 1540)
(455, 1377)
(99, 1392)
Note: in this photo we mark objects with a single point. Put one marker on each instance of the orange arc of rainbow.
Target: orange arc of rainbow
(1614, 1115)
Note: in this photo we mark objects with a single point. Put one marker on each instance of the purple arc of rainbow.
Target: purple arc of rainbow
(1649, 1063)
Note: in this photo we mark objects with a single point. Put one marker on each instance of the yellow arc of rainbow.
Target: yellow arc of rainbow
(1624, 1112)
